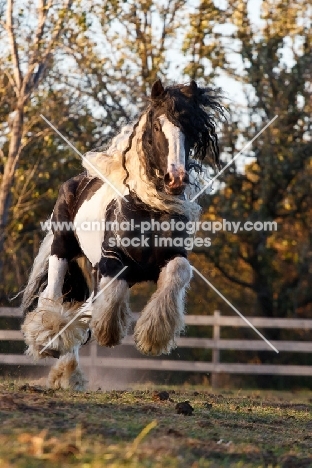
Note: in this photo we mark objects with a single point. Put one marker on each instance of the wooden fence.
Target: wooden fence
(215, 343)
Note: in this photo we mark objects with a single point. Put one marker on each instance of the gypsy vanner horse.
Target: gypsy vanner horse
(155, 164)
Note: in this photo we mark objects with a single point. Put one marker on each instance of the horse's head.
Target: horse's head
(178, 126)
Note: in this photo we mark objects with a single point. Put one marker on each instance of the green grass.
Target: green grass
(40, 428)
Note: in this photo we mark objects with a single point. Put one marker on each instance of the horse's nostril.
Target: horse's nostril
(176, 180)
(167, 178)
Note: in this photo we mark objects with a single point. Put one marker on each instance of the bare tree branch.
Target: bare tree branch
(13, 46)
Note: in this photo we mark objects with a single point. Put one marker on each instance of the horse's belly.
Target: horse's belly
(89, 224)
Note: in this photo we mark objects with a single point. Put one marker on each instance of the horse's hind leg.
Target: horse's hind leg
(163, 317)
(66, 373)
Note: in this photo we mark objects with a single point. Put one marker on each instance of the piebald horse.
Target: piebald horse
(155, 165)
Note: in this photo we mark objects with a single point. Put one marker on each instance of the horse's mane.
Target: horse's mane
(127, 161)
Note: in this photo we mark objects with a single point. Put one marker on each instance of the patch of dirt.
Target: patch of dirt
(205, 423)
(7, 402)
(103, 430)
(174, 432)
(150, 409)
(293, 406)
(294, 462)
(36, 389)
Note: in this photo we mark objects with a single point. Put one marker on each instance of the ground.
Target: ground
(142, 428)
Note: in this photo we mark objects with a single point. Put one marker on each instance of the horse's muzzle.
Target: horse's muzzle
(175, 181)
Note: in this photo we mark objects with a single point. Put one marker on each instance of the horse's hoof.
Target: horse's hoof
(67, 374)
(58, 324)
(153, 349)
(107, 338)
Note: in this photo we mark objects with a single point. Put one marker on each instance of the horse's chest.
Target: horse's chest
(142, 239)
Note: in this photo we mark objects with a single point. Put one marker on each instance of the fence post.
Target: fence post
(215, 350)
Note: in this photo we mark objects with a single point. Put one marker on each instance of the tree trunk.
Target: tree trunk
(8, 176)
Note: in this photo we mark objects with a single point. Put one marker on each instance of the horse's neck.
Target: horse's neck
(110, 164)
(121, 141)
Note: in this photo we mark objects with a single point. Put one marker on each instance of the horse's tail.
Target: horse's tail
(39, 275)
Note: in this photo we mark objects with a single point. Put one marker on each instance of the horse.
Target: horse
(79, 284)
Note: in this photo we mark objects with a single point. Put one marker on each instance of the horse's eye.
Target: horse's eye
(156, 127)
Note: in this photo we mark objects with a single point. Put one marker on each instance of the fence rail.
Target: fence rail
(216, 344)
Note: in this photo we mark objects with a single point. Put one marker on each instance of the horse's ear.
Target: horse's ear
(157, 89)
(190, 90)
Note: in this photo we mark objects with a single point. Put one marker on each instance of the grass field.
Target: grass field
(137, 428)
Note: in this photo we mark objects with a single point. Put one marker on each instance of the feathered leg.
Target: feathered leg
(111, 315)
(50, 316)
(163, 317)
(53, 322)
(66, 373)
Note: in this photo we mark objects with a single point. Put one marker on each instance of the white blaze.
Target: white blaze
(176, 141)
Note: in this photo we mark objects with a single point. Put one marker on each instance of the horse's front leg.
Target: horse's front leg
(43, 323)
(56, 275)
(111, 315)
(52, 329)
(163, 317)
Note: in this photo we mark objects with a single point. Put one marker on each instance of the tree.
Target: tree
(118, 50)
(276, 185)
(24, 63)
